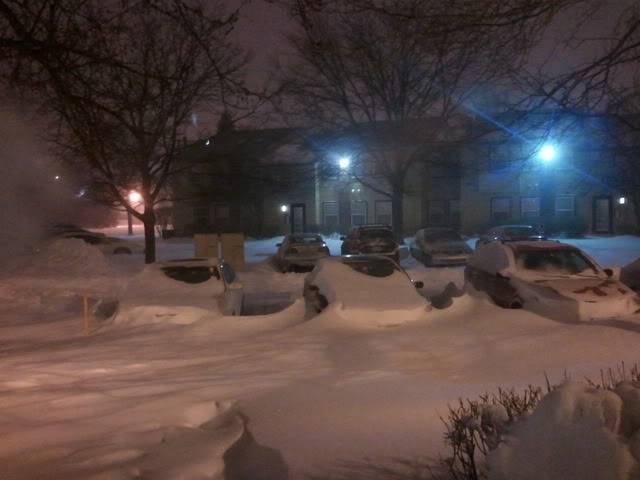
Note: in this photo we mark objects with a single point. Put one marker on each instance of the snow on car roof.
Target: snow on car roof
(539, 245)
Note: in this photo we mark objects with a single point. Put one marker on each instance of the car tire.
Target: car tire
(122, 251)
(512, 303)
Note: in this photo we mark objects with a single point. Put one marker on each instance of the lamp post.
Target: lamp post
(134, 197)
(547, 154)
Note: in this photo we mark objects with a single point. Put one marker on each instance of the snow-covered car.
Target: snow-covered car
(511, 233)
(300, 250)
(372, 239)
(214, 274)
(108, 245)
(440, 246)
(367, 283)
(551, 278)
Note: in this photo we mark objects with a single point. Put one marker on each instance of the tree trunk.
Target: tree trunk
(397, 212)
(635, 199)
(149, 221)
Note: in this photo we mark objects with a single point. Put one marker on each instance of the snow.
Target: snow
(572, 434)
(164, 389)
(364, 299)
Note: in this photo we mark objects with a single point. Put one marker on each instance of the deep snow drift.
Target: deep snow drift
(163, 396)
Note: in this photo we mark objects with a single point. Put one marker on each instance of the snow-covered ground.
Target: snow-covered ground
(164, 390)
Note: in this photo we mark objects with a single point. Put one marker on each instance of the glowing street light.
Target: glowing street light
(344, 162)
(134, 197)
(547, 153)
(622, 200)
(284, 208)
(57, 177)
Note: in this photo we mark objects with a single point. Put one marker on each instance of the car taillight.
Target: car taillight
(292, 250)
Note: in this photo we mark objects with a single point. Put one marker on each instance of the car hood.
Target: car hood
(586, 289)
(453, 247)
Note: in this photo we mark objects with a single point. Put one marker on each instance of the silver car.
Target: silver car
(440, 247)
(300, 250)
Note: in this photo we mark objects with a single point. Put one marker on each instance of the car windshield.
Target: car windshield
(519, 231)
(442, 236)
(369, 233)
(374, 267)
(305, 239)
(555, 261)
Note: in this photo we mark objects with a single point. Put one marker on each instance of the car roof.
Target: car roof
(540, 245)
(373, 226)
(513, 226)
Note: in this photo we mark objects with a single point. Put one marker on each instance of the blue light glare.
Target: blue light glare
(547, 153)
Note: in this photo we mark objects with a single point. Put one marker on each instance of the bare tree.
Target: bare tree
(368, 67)
(122, 79)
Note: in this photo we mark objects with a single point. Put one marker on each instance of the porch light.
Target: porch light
(284, 208)
(622, 200)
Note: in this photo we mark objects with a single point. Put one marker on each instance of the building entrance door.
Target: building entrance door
(602, 218)
(298, 218)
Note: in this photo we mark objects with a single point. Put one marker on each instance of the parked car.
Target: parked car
(300, 250)
(550, 278)
(371, 239)
(108, 245)
(440, 246)
(511, 233)
(218, 274)
(369, 283)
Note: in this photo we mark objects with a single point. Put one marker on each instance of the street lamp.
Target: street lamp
(134, 197)
(344, 162)
(284, 208)
(547, 153)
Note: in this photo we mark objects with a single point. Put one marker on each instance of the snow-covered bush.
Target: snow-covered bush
(577, 430)
(476, 427)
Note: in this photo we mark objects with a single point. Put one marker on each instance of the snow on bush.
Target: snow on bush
(573, 433)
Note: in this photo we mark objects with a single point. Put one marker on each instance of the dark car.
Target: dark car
(440, 246)
(371, 239)
(511, 233)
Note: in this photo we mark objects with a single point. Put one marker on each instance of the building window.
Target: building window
(565, 205)
(330, 214)
(222, 212)
(454, 212)
(437, 214)
(358, 212)
(500, 209)
(529, 207)
(201, 215)
(383, 212)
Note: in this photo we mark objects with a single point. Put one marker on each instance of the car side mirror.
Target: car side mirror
(608, 272)
(343, 238)
(419, 284)
(278, 244)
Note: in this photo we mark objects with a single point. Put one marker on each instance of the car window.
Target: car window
(228, 273)
(376, 233)
(305, 239)
(373, 267)
(189, 274)
(563, 261)
(90, 239)
(442, 236)
(519, 231)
